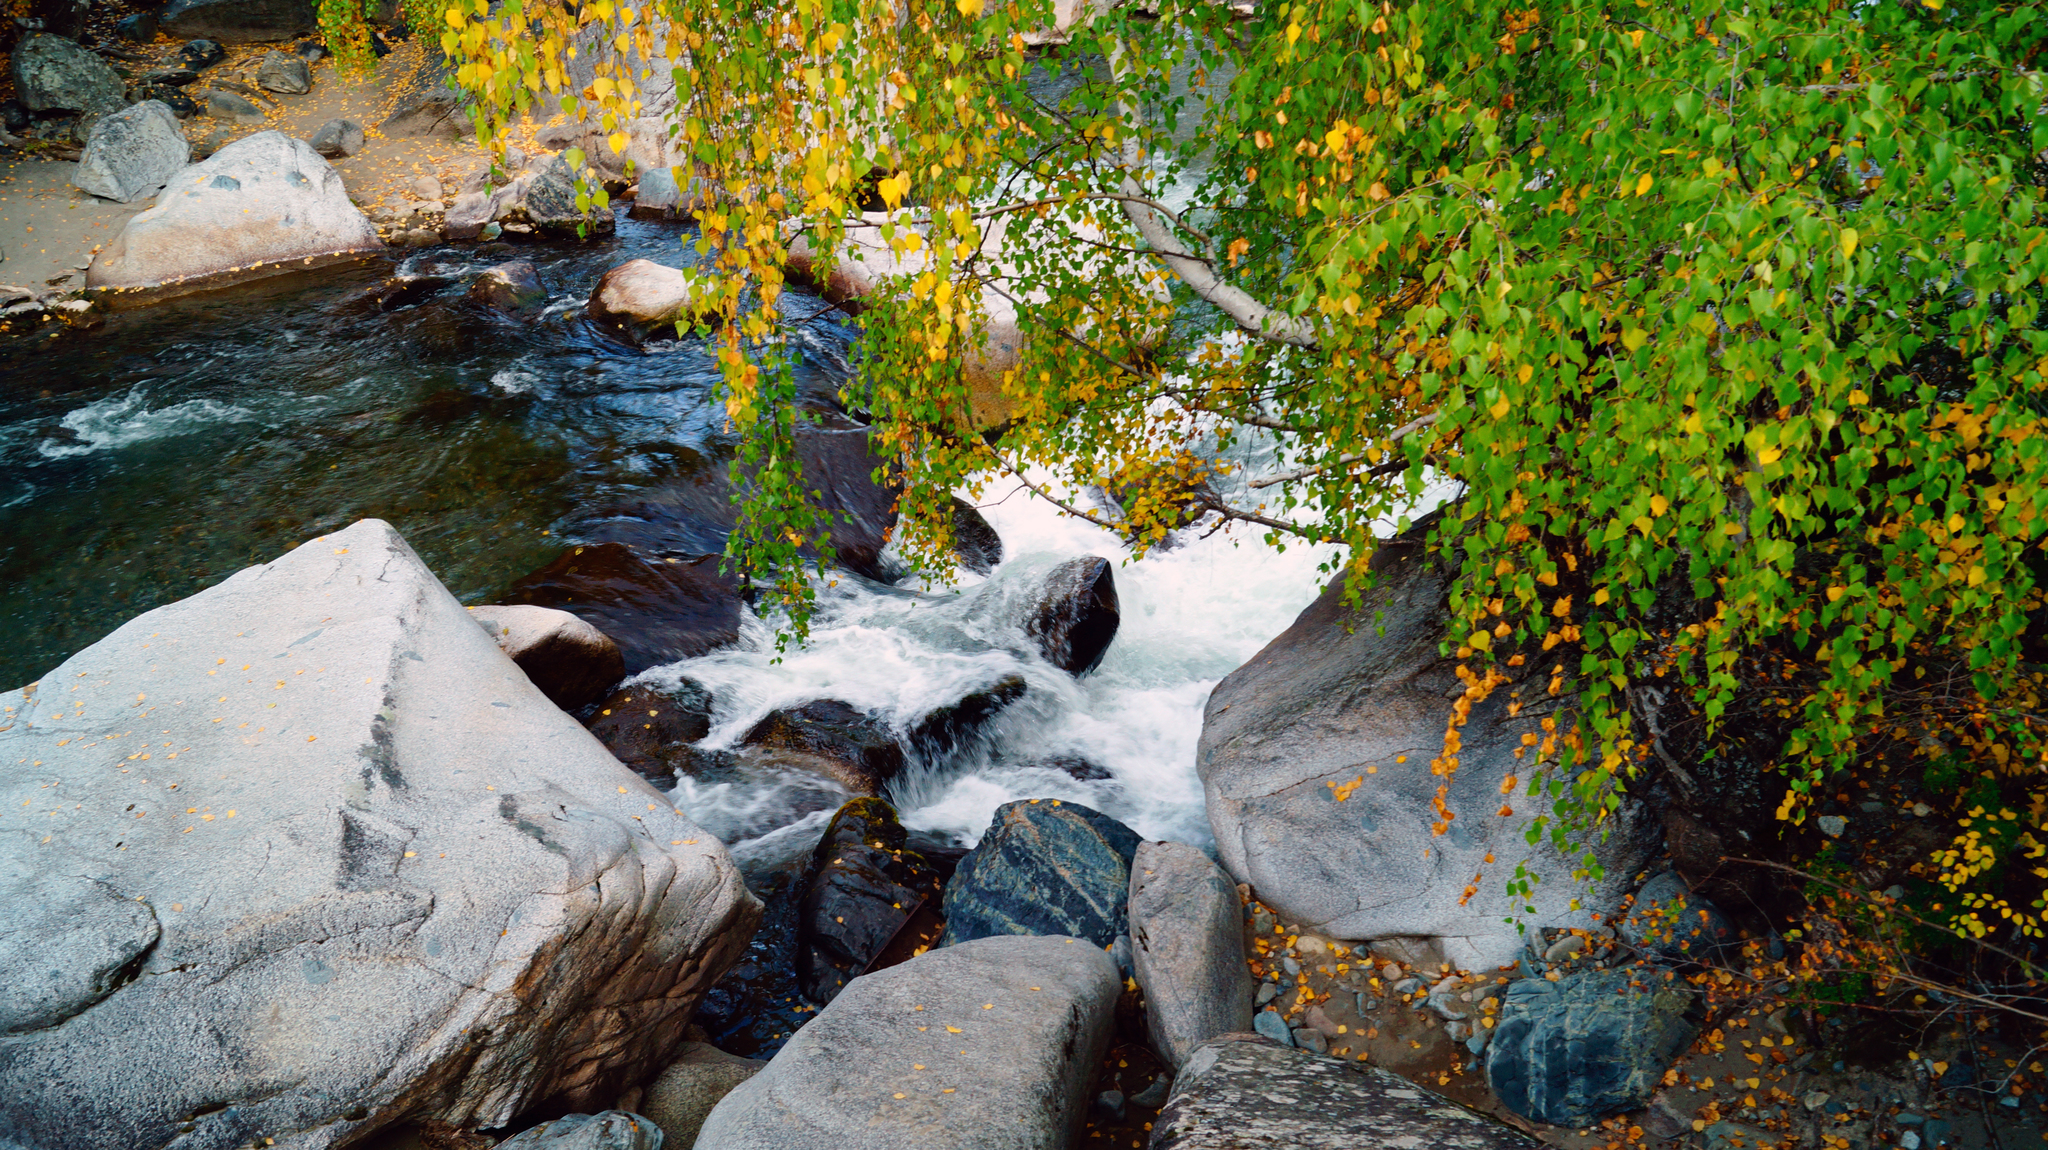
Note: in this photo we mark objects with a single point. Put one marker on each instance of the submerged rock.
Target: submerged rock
(52, 74)
(1588, 1046)
(572, 662)
(944, 730)
(513, 289)
(1076, 615)
(611, 1130)
(1008, 1031)
(389, 844)
(1187, 943)
(1044, 867)
(857, 748)
(862, 885)
(659, 610)
(238, 21)
(133, 153)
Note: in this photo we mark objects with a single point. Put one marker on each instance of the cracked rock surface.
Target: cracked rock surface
(371, 874)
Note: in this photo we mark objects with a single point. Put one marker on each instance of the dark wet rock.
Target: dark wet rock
(52, 74)
(1588, 1046)
(337, 138)
(572, 662)
(1240, 1091)
(1187, 942)
(199, 55)
(683, 1096)
(66, 18)
(1073, 766)
(14, 116)
(944, 729)
(975, 544)
(863, 884)
(1075, 616)
(1669, 920)
(1033, 1014)
(756, 1007)
(512, 289)
(285, 72)
(397, 292)
(181, 105)
(650, 730)
(610, 1130)
(233, 108)
(433, 112)
(171, 77)
(860, 750)
(139, 28)
(1044, 867)
(238, 21)
(658, 609)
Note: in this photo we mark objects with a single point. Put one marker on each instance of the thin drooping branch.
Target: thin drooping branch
(1346, 463)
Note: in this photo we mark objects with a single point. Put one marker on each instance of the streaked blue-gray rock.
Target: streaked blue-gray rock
(610, 1130)
(305, 856)
(133, 153)
(1240, 1092)
(1044, 867)
(1187, 942)
(989, 1045)
(1589, 1045)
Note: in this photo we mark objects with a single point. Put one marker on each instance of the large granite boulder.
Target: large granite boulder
(261, 205)
(1316, 759)
(572, 662)
(990, 1045)
(133, 153)
(1044, 867)
(1587, 1046)
(52, 74)
(863, 884)
(641, 298)
(305, 856)
(1239, 1091)
(1187, 947)
(238, 21)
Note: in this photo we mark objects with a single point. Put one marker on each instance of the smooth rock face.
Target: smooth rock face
(1240, 1092)
(862, 885)
(611, 1130)
(337, 138)
(683, 1096)
(265, 200)
(1284, 735)
(642, 298)
(1574, 1051)
(384, 880)
(1076, 615)
(1044, 867)
(660, 611)
(1187, 944)
(855, 748)
(512, 289)
(1013, 1027)
(572, 662)
(1670, 921)
(435, 112)
(285, 72)
(238, 21)
(53, 74)
(133, 153)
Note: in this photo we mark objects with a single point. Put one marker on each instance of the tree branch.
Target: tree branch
(1349, 461)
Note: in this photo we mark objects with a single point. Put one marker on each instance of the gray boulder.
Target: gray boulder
(989, 1045)
(1239, 1091)
(1669, 921)
(1316, 760)
(1044, 867)
(337, 138)
(1187, 942)
(467, 216)
(572, 662)
(234, 109)
(285, 72)
(259, 206)
(326, 862)
(683, 1096)
(52, 74)
(544, 198)
(1589, 1045)
(133, 153)
(238, 21)
(431, 112)
(611, 1130)
(641, 298)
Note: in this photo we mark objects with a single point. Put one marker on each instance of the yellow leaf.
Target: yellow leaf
(617, 140)
(1976, 576)
(1849, 241)
(1857, 398)
(1499, 410)
(1835, 593)
(1659, 505)
(1293, 33)
(1600, 596)
(1643, 185)
(454, 17)
(1711, 166)
(1480, 641)
(1769, 455)
(1524, 372)
(968, 8)
(1634, 338)
(1693, 426)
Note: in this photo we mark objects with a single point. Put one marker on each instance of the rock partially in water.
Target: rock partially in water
(975, 544)
(338, 138)
(52, 74)
(651, 730)
(1588, 1046)
(1010, 1033)
(133, 153)
(683, 1096)
(1669, 921)
(641, 298)
(862, 885)
(1044, 867)
(945, 729)
(285, 72)
(1239, 1091)
(860, 750)
(544, 197)
(389, 844)
(658, 609)
(1076, 615)
(610, 1130)
(1187, 939)
(572, 662)
(512, 289)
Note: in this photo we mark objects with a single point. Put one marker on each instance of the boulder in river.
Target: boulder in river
(1007, 1032)
(1239, 1091)
(133, 153)
(975, 544)
(1316, 760)
(338, 138)
(1187, 945)
(944, 729)
(544, 197)
(1076, 614)
(852, 746)
(1590, 1045)
(285, 72)
(513, 289)
(650, 729)
(238, 21)
(862, 885)
(610, 1130)
(320, 838)
(572, 662)
(641, 298)
(657, 609)
(259, 206)
(52, 74)
(1044, 866)
(683, 1096)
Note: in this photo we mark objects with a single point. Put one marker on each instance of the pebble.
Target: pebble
(1908, 1118)
(1154, 1095)
(1814, 1099)
(1310, 946)
(1110, 1103)
(1288, 964)
(1311, 1040)
(1832, 825)
(1909, 1141)
(1267, 993)
(1565, 949)
(1270, 1024)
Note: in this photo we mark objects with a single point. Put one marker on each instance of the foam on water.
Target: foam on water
(120, 420)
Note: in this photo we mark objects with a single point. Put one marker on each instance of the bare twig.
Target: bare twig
(1349, 461)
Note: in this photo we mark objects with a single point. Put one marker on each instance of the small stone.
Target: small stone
(200, 55)
(1270, 1024)
(1267, 992)
(1408, 986)
(1458, 1032)
(1110, 1103)
(1262, 922)
(1311, 946)
(1908, 1118)
(1909, 1140)
(1814, 1099)
(1288, 964)
(228, 106)
(1565, 949)
(1311, 1040)
(1922, 810)
(1154, 1095)
(2009, 1101)
(1832, 825)
(337, 138)
(425, 188)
